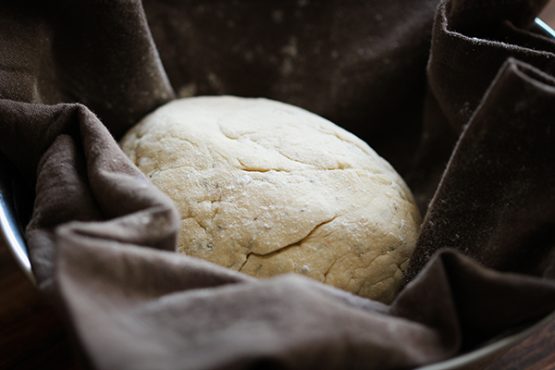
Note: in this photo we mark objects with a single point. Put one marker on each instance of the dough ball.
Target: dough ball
(267, 188)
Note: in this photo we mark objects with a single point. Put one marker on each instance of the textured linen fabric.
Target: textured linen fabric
(74, 75)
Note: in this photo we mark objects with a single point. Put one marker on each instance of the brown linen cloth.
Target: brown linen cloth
(99, 229)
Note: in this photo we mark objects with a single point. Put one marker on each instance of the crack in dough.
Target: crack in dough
(297, 243)
(268, 188)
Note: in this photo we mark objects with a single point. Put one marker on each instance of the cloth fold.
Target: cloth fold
(82, 176)
(206, 317)
(94, 52)
(503, 218)
(470, 42)
(75, 75)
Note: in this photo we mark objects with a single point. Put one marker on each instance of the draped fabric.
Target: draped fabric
(457, 95)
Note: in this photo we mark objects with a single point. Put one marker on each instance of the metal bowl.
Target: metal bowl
(12, 222)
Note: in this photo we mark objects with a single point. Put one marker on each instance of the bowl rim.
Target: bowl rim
(498, 346)
(11, 231)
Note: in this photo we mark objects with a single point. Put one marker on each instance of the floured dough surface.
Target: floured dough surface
(267, 188)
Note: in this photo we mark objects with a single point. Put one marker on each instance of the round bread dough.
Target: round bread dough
(267, 188)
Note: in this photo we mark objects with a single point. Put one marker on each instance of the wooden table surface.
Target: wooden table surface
(32, 337)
